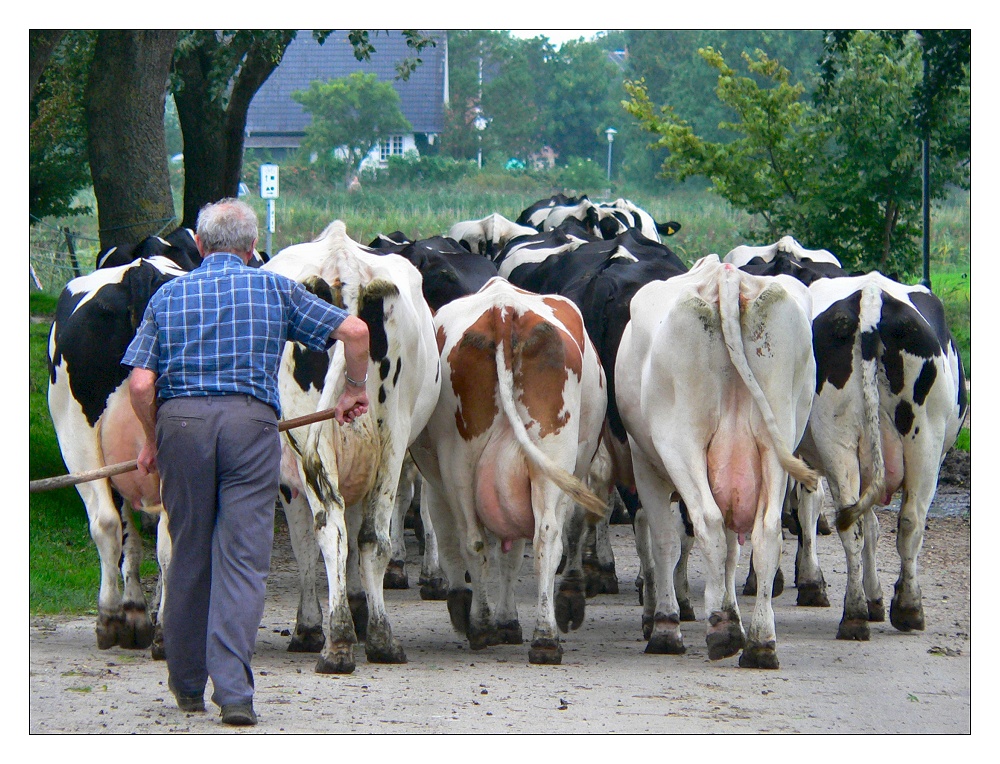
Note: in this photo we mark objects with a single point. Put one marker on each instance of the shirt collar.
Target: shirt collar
(222, 259)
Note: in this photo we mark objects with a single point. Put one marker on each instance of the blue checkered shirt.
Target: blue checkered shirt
(221, 329)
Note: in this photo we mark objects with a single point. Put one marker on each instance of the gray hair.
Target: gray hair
(227, 225)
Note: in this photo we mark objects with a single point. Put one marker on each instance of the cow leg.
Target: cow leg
(449, 532)
(599, 557)
(136, 632)
(645, 582)
(308, 636)
(373, 541)
(433, 583)
(357, 597)
(854, 622)
(808, 576)
(548, 543)
(761, 641)
(870, 582)
(164, 552)
(665, 530)
(681, 575)
(508, 627)
(395, 572)
(906, 612)
(571, 603)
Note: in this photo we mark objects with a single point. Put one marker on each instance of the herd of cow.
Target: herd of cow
(533, 371)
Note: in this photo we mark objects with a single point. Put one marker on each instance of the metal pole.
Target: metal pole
(609, 160)
(926, 281)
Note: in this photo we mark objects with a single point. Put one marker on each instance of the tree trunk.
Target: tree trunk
(126, 140)
(41, 43)
(214, 127)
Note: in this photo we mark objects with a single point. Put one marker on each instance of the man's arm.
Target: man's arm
(353, 402)
(142, 392)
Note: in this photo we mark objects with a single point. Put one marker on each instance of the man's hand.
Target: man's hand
(353, 403)
(147, 459)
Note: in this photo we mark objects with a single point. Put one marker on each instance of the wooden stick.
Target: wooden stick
(62, 481)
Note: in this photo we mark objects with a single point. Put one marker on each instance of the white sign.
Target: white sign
(269, 181)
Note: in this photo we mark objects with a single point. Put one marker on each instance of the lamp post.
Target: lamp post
(610, 132)
(480, 124)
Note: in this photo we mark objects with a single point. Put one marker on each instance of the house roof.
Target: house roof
(274, 114)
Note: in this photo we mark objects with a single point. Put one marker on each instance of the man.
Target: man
(204, 384)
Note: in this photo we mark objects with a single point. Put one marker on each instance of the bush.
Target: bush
(584, 176)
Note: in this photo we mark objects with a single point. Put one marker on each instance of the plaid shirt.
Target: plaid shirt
(221, 329)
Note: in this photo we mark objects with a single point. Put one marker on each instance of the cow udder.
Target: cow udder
(503, 491)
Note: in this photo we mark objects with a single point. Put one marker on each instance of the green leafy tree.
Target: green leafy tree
(842, 173)
(352, 115)
(57, 134)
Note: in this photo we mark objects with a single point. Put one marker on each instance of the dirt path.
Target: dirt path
(895, 683)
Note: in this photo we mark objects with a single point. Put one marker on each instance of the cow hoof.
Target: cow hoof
(307, 640)
(570, 607)
(545, 652)
(395, 576)
(137, 629)
(812, 595)
(665, 643)
(510, 633)
(759, 656)
(823, 525)
(687, 612)
(433, 589)
(157, 650)
(876, 610)
(750, 586)
(647, 627)
(664, 635)
(389, 652)
(600, 581)
(779, 584)
(460, 609)
(359, 612)
(108, 630)
(724, 637)
(906, 618)
(482, 637)
(854, 629)
(338, 659)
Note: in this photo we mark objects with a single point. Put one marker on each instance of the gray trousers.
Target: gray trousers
(219, 464)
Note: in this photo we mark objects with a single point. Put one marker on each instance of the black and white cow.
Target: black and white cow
(340, 482)
(890, 400)
(606, 220)
(96, 319)
(488, 235)
(714, 380)
(178, 246)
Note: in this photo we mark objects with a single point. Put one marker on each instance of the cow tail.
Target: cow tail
(729, 312)
(567, 483)
(870, 350)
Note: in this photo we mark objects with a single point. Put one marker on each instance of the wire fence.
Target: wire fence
(58, 254)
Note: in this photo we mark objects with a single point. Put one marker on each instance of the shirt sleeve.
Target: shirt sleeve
(144, 350)
(312, 320)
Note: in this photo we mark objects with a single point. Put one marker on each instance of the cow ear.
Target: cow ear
(668, 229)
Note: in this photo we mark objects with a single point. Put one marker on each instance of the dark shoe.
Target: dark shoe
(187, 702)
(239, 715)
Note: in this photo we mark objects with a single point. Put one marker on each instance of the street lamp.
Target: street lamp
(610, 132)
(480, 123)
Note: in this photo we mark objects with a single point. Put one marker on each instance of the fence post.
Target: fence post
(72, 251)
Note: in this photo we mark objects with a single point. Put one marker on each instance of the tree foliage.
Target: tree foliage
(841, 172)
(57, 134)
(353, 114)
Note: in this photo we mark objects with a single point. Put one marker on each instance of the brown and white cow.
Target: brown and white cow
(714, 377)
(506, 451)
(340, 482)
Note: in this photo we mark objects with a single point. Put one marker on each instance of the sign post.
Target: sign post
(269, 192)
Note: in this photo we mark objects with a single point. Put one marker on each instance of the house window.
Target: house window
(392, 146)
